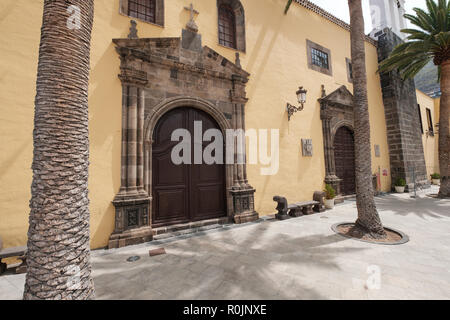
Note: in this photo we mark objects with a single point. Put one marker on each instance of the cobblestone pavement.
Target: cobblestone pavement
(294, 259)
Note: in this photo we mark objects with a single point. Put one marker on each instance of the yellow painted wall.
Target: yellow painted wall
(430, 143)
(20, 22)
(275, 57)
(437, 103)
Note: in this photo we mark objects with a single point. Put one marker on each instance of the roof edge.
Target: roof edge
(325, 14)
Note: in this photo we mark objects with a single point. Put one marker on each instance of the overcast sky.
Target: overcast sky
(339, 8)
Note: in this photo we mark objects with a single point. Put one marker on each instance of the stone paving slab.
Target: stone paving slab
(294, 259)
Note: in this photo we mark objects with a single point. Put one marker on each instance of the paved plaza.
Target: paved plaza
(294, 259)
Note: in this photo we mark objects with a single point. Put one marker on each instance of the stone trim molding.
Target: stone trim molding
(341, 123)
(159, 12)
(239, 14)
(182, 101)
(325, 14)
(312, 45)
(336, 111)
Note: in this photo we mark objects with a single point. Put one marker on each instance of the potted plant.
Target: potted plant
(330, 194)
(436, 178)
(400, 185)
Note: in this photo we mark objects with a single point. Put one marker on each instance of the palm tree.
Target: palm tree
(368, 219)
(58, 237)
(430, 42)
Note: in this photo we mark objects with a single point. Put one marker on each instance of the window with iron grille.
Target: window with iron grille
(142, 9)
(227, 27)
(430, 123)
(420, 118)
(319, 58)
(349, 64)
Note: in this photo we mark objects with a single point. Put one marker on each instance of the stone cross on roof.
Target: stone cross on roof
(191, 25)
(133, 30)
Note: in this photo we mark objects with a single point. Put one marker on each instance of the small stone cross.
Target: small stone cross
(133, 30)
(191, 24)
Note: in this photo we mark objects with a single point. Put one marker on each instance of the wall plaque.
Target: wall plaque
(307, 147)
(377, 151)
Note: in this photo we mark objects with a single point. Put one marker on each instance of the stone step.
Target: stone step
(188, 229)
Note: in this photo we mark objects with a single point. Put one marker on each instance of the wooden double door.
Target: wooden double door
(344, 157)
(186, 192)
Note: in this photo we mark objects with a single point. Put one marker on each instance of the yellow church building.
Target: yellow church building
(157, 66)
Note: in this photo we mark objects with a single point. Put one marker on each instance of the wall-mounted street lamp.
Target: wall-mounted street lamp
(301, 97)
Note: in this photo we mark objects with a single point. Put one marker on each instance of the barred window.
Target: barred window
(142, 9)
(420, 119)
(319, 58)
(227, 26)
(430, 123)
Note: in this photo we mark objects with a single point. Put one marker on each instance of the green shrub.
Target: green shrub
(435, 176)
(330, 193)
(400, 182)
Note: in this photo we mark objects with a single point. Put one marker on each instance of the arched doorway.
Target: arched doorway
(187, 192)
(344, 157)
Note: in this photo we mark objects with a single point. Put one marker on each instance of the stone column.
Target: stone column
(245, 149)
(132, 140)
(330, 167)
(236, 185)
(241, 147)
(147, 166)
(132, 203)
(140, 141)
(243, 194)
(123, 165)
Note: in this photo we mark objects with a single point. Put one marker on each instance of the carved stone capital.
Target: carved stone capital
(133, 77)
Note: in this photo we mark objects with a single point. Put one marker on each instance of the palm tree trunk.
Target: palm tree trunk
(444, 131)
(58, 255)
(368, 218)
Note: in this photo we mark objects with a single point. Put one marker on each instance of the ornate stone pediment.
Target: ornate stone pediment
(180, 53)
(340, 97)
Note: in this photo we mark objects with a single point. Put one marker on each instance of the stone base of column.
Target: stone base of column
(335, 182)
(132, 221)
(244, 205)
(130, 237)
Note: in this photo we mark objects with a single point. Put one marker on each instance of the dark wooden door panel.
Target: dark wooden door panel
(165, 127)
(344, 157)
(170, 204)
(208, 191)
(183, 193)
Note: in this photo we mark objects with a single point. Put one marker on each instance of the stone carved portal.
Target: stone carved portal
(344, 157)
(159, 75)
(336, 112)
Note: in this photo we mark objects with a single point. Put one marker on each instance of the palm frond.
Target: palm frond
(288, 5)
(428, 40)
